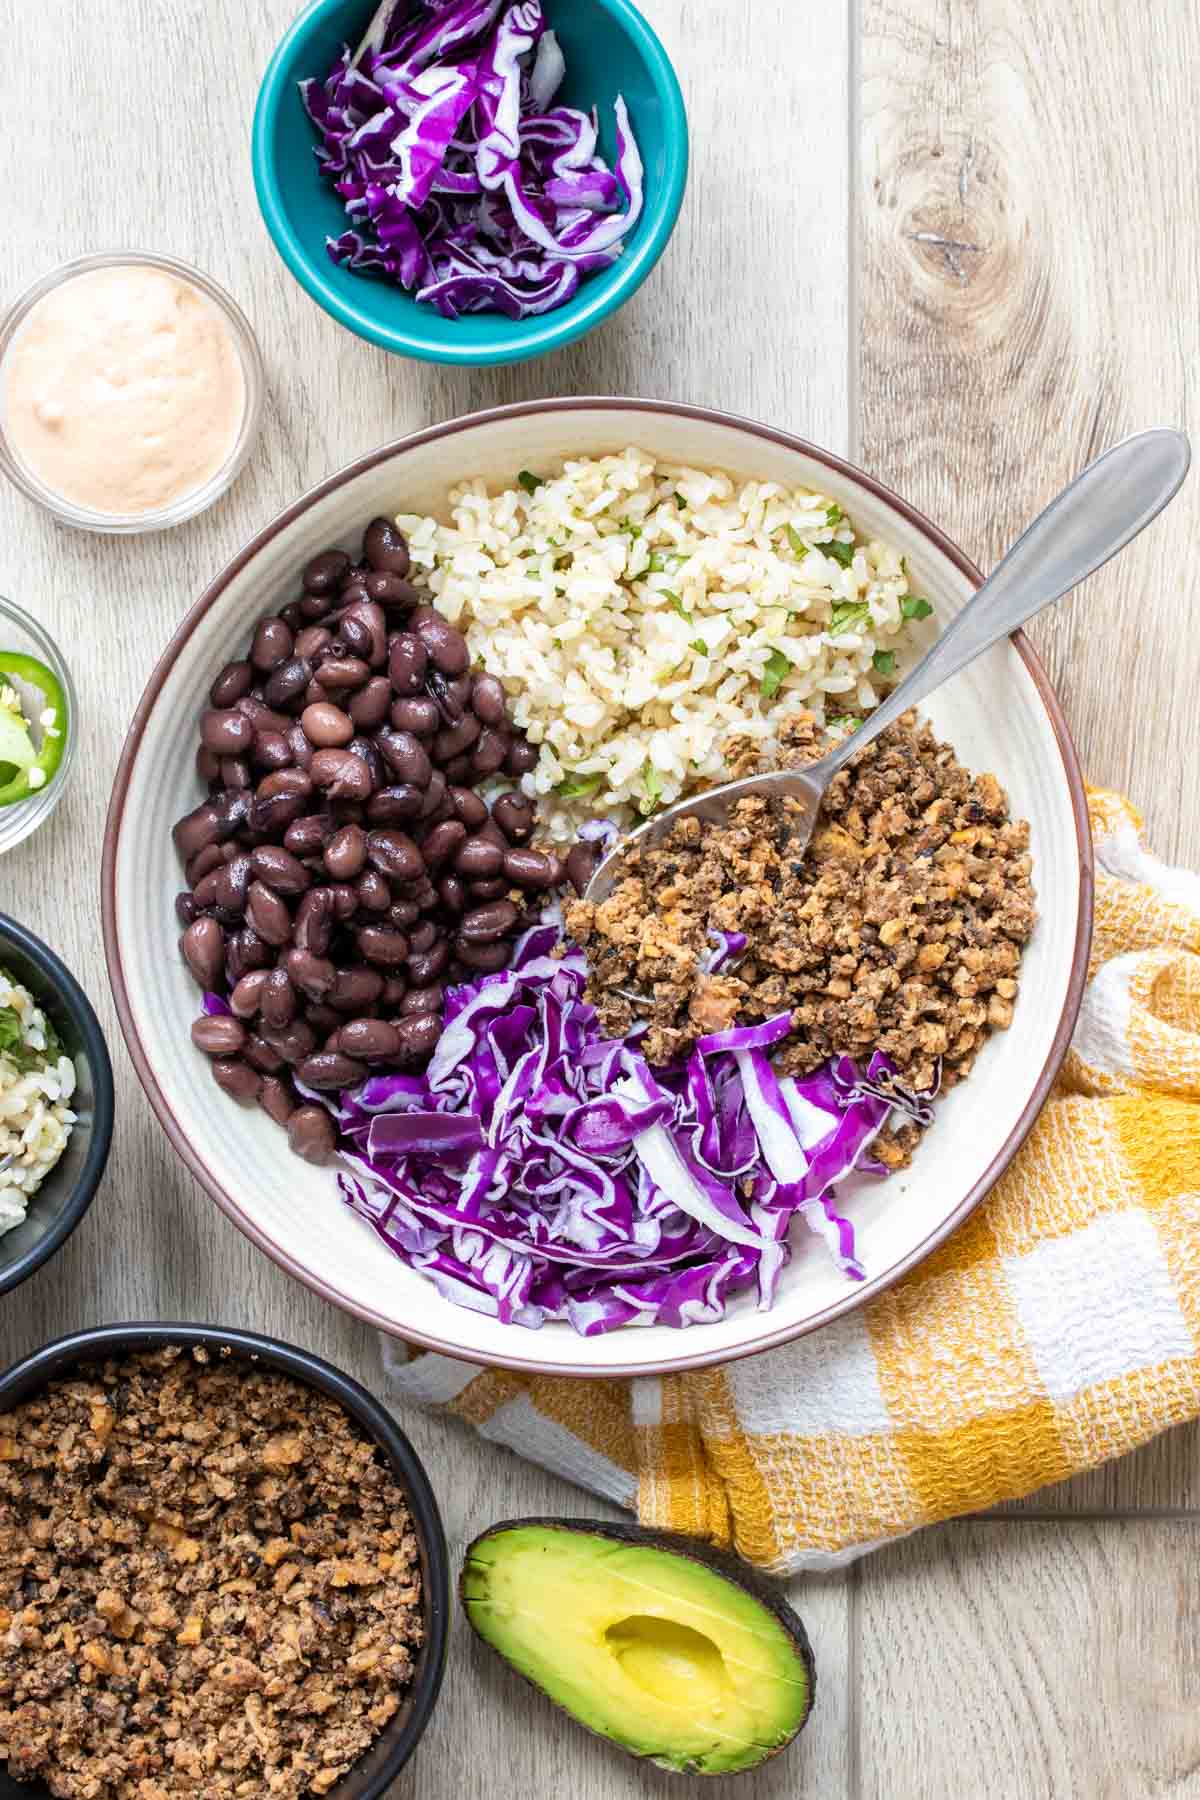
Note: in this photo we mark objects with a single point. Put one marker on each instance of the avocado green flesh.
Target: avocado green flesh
(658, 1652)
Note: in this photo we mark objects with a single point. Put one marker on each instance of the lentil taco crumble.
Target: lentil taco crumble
(209, 1583)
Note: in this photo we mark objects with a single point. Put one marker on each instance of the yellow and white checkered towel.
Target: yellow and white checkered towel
(1059, 1327)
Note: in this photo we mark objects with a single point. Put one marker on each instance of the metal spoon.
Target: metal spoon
(1093, 518)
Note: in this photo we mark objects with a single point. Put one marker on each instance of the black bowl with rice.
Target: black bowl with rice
(55, 1123)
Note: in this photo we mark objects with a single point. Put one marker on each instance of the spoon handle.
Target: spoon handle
(1093, 518)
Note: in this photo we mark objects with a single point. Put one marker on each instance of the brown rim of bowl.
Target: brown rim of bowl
(769, 1338)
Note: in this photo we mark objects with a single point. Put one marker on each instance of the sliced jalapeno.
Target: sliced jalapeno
(34, 769)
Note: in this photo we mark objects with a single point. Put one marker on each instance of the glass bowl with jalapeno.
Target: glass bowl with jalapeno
(38, 713)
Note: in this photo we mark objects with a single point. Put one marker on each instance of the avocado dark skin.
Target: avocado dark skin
(667, 1648)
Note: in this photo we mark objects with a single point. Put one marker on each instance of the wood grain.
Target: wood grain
(1029, 259)
(1023, 1661)
(160, 159)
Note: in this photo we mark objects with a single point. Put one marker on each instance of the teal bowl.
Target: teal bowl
(609, 50)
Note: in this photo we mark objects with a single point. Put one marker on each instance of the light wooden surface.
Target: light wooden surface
(1017, 289)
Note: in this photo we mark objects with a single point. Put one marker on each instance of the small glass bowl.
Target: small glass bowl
(199, 498)
(22, 634)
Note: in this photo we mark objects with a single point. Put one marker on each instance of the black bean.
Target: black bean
(394, 990)
(452, 894)
(261, 1056)
(378, 944)
(211, 857)
(235, 772)
(419, 1033)
(418, 715)
(301, 749)
(487, 890)
(529, 868)
(355, 636)
(356, 989)
(272, 812)
(313, 975)
(219, 1036)
(293, 616)
(315, 606)
(467, 806)
(203, 947)
(186, 909)
(262, 716)
(487, 699)
(487, 922)
(514, 815)
(406, 755)
(479, 859)
(423, 1000)
(231, 885)
(296, 782)
(453, 740)
(391, 805)
(311, 641)
(374, 1040)
(423, 936)
(522, 757)
(426, 966)
(278, 1001)
(390, 590)
(307, 836)
(315, 694)
(246, 997)
(232, 684)
(489, 753)
(435, 796)
(483, 959)
(245, 951)
(385, 547)
(422, 893)
(271, 750)
(324, 572)
(346, 853)
(294, 1042)
(582, 862)
(459, 770)
(279, 869)
(408, 660)
(368, 708)
(443, 842)
(272, 644)
(394, 854)
(330, 1070)
(236, 1078)
(374, 894)
(208, 766)
(277, 1099)
(311, 1135)
(313, 930)
(287, 682)
(269, 915)
(226, 731)
(339, 674)
(341, 774)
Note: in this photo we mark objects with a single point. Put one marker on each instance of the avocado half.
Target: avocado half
(672, 1654)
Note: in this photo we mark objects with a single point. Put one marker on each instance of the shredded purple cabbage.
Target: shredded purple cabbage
(460, 178)
(538, 1170)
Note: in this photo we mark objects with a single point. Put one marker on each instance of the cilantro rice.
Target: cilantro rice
(37, 1081)
(639, 614)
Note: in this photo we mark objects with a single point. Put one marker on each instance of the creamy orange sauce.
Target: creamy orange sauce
(123, 390)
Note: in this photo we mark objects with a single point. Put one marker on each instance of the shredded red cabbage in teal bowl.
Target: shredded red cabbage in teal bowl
(461, 178)
(538, 1170)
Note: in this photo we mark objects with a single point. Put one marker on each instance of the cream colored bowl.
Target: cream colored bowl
(1001, 715)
